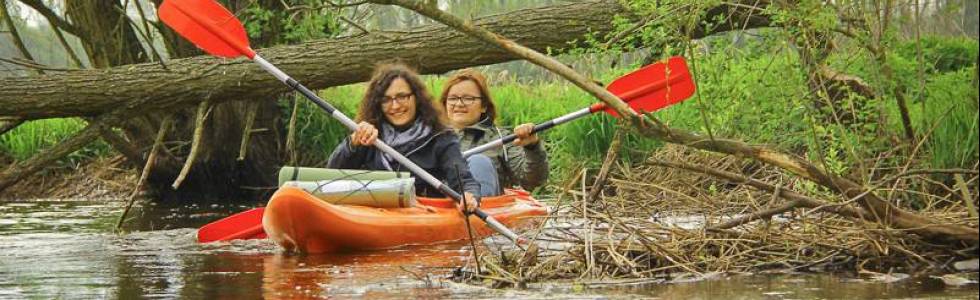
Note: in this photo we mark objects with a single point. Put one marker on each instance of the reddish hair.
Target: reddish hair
(481, 83)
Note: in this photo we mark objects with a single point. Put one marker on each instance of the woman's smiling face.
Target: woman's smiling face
(464, 104)
(398, 103)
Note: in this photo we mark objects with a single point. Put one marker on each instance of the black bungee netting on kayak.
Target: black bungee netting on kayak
(353, 187)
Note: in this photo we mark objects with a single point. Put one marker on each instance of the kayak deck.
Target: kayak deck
(298, 221)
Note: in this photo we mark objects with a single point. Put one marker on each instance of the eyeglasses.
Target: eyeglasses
(400, 98)
(463, 100)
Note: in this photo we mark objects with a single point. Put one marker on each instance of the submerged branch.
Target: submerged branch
(150, 162)
(203, 109)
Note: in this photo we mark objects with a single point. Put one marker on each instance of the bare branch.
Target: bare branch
(611, 155)
(251, 109)
(202, 114)
(53, 18)
(10, 125)
(34, 65)
(148, 166)
(9, 20)
(148, 34)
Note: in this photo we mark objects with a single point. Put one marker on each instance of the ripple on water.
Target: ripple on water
(66, 249)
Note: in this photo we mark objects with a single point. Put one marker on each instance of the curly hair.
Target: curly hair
(370, 110)
(481, 83)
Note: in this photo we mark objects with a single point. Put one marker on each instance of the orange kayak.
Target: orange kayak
(298, 221)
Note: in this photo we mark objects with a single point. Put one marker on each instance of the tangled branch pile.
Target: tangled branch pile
(658, 223)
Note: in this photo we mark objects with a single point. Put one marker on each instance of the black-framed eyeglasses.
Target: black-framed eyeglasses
(401, 98)
(464, 100)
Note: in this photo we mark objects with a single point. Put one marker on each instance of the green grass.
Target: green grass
(31, 137)
(950, 118)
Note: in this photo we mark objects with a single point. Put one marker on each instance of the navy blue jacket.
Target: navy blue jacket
(439, 155)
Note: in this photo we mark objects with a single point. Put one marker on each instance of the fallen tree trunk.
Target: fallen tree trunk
(317, 64)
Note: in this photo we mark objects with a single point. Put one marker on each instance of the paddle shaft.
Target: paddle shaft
(537, 128)
(627, 96)
(404, 161)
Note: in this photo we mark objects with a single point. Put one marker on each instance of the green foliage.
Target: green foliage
(30, 138)
(942, 53)
(256, 18)
(944, 106)
(804, 16)
(308, 20)
(751, 95)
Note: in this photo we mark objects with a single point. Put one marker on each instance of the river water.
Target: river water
(67, 249)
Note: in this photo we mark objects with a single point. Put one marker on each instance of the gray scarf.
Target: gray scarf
(403, 141)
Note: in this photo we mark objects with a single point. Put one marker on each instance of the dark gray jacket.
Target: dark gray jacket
(439, 155)
(516, 166)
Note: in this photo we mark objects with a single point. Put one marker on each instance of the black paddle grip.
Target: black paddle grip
(543, 126)
(310, 95)
(537, 128)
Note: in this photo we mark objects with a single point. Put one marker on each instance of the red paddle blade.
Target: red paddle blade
(655, 86)
(208, 25)
(243, 225)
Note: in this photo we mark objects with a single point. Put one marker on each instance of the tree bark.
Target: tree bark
(317, 64)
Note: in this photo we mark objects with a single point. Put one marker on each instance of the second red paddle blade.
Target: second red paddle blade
(243, 225)
(655, 86)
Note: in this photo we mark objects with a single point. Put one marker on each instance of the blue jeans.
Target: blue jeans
(485, 173)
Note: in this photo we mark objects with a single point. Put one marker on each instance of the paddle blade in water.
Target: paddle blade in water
(655, 86)
(243, 225)
(208, 25)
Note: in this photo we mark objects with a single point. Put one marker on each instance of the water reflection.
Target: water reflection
(414, 272)
(66, 249)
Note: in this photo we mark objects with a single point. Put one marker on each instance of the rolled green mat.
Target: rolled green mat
(386, 193)
(288, 173)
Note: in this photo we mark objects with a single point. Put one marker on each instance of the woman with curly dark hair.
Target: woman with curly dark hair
(397, 108)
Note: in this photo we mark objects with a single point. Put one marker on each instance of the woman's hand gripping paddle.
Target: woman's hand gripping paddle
(645, 90)
(215, 30)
